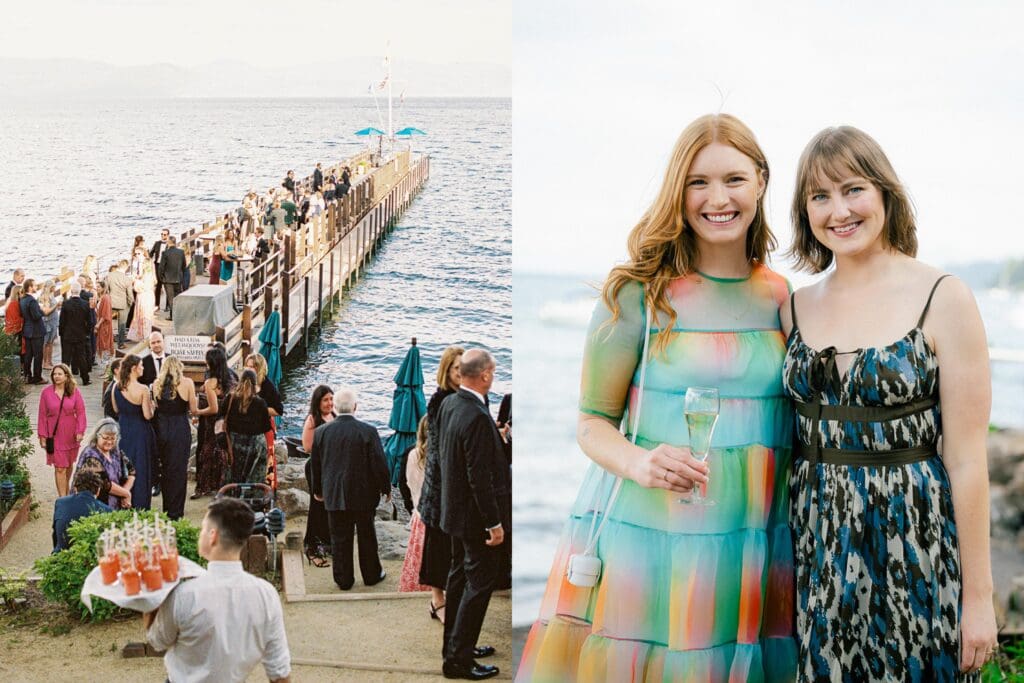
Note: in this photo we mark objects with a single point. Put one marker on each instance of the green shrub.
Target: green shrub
(64, 573)
(12, 388)
(1008, 664)
(15, 447)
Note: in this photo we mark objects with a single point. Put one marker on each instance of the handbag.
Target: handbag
(50, 444)
(584, 569)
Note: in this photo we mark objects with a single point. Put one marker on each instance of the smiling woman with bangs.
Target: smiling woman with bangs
(893, 575)
(682, 592)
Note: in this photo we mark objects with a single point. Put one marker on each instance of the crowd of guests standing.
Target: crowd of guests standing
(458, 486)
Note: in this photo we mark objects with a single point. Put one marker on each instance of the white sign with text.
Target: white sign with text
(187, 347)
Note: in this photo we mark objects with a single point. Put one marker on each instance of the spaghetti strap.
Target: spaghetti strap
(920, 321)
(792, 312)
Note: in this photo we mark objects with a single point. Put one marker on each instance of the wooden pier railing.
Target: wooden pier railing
(315, 263)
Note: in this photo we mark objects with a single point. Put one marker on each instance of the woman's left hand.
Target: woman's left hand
(978, 633)
(79, 437)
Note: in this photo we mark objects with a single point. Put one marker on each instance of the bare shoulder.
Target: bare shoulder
(952, 298)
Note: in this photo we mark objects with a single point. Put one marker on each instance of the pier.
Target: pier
(305, 278)
(303, 281)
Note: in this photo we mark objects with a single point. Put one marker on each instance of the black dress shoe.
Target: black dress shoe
(383, 575)
(155, 492)
(344, 588)
(476, 672)
(481, 651)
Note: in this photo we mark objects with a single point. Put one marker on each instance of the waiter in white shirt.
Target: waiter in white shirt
(217, 627)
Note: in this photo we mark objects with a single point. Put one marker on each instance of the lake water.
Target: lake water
(85, 177)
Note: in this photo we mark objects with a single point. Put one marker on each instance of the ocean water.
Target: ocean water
(85, 177)
(551, 317)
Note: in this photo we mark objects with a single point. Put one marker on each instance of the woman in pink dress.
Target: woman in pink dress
(62, 418)
(104, 324)
(410, 579)
(145, 303)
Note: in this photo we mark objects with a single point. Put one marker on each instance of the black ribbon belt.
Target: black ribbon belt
(817, 411)
(859, 458)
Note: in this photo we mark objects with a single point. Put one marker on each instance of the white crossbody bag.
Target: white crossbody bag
(584, 569)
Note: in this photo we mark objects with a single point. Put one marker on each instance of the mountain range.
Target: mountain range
(75, 78)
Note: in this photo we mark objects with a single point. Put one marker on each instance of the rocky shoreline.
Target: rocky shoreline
(1006, 492)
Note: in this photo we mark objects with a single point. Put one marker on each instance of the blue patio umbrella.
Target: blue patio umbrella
(407, 407)
(409, 132)
(369, 131)
(270, 346)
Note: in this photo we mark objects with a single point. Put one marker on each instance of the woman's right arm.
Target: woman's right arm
(41, 420)
(210, 389)
(307, 434)
(610, 359)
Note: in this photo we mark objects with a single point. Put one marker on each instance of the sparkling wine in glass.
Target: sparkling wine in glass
(701, 409)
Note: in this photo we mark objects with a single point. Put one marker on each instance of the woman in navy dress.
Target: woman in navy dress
(134, 407)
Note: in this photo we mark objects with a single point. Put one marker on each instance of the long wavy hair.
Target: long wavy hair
(124, 375)
(662, 246)
(245, 390)
(217, 368)
(171, 371)
(422, 429)
(69, 381)
(259, 366)
(314, 403)
(448, 358)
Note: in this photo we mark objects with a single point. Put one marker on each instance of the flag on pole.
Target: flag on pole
(383, 84)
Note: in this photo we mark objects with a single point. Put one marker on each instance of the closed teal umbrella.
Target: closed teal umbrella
(270, 346)
(407, 407)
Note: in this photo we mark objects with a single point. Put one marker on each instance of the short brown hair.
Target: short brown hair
(234, 521)
(835, 153)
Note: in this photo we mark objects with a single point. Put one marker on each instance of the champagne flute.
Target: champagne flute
(701, 409)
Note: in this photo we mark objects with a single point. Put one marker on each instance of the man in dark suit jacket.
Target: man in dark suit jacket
(170, 271)
(476, 492)
(156, 253)
(82, 503)
(152, 362)
(350, 474)
(74, 328)
(318, 178)
(33, 332)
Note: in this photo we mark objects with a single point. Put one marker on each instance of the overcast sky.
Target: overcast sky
(259, 32)
(603, 90)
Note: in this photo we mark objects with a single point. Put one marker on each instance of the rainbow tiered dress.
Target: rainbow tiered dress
(687, 593)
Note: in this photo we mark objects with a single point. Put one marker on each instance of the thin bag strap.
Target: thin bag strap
(60, 410)
(596, 533)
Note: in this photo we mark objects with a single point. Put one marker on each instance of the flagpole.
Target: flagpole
(391, 130)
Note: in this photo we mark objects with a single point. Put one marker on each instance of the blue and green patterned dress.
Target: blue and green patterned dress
(877, 559)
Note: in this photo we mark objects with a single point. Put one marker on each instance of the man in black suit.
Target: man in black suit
(17, 279)
(33, 332)
(74, 328)
(476, 505)
(170, 271)
(318, 178)
(152, 363)
(350, 474)
(156, 253)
